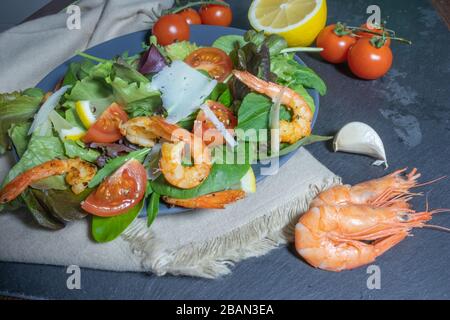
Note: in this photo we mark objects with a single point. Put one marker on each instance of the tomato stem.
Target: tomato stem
(301, 49)
(385, 31)
(197, 3)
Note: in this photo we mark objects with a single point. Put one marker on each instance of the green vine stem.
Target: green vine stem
(301, 49)
(196, 3)
(90, 57)
(378, 34)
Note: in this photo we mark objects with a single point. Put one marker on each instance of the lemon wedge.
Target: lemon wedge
(64, 128)
(72, 133)
(248, 182)
(84, 111)
(298, 21)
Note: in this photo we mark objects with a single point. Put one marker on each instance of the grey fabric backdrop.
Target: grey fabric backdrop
(410, 108)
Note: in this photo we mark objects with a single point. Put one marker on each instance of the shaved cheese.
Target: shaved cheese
(219, 125)
(44, 111)
(183, 89)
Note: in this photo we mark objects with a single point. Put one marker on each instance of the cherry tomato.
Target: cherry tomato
(335, 47)
(214, 61)
(205, 127)
(171, 28)
(118, 193)
(370, 35)
(368, 62)
(106, 128)
(191, 16)
(216, 15)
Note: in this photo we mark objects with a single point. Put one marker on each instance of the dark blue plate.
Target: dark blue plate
(201, 34)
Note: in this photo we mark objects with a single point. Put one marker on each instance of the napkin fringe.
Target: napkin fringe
(214, 258)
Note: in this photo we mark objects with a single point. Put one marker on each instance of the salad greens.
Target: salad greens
(17, 108)
(155, 82)
(106, 229)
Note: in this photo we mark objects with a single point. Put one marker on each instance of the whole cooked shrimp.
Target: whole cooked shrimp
(146, 130)
(216, 200)
(347, 227)
(300, 126)
(78, 174)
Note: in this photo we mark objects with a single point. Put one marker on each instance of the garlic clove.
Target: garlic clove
(360, 138)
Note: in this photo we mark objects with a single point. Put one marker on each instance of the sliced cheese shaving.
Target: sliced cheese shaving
(182, 89)
(219, 125)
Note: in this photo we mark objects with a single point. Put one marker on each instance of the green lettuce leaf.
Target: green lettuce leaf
(180, 50)
(77, 149)
(17, 107)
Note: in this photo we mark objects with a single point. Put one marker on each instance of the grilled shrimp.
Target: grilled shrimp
(145, 131)
(78, 174)
(347, 227)
(216, 200)
(302, 115)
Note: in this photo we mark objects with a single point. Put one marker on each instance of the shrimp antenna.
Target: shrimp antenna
(434, 227)
(429, 182)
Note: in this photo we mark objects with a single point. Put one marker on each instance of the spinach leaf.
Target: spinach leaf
(17, 107)
(254, 112)
(221, 177)
(291, 73)
(152, 208)
(229, 42)
(115, 164)
(105, 229)
(222, 94)
(74, 150)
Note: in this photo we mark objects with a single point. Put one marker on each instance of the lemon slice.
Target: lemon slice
(298, 21)
(64, 128)
(85, 113)
(248, 182)
(72, 133)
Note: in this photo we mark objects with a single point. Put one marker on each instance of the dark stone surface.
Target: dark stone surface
(410, 108)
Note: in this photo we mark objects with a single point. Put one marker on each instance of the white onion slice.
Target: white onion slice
(45, 109)
(219, 125)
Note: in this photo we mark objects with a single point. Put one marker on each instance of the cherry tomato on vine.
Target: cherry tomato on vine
(171, 28)
(216, 15)
(369, 62)
(335, 46)
(214, 61)
(191, 16)
(370, 35)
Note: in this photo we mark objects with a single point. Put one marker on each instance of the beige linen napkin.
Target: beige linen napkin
(201, 243)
